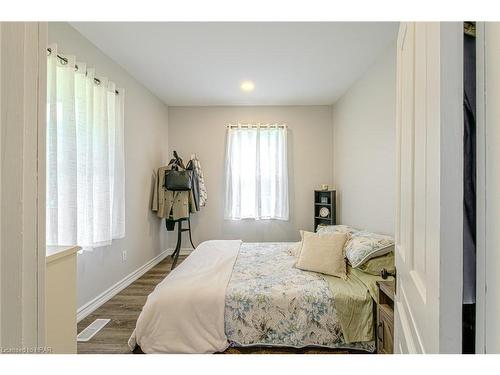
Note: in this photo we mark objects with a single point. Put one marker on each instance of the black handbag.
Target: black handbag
(178, 180)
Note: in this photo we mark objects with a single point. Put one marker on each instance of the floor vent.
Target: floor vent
(92, 329)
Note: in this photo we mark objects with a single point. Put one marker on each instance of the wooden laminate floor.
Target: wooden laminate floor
(124, 309)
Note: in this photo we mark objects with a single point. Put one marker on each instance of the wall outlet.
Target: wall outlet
(124, 256)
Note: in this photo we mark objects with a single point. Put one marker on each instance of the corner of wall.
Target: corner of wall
(332, 110)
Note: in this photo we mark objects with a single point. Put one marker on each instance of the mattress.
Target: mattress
(270, 303)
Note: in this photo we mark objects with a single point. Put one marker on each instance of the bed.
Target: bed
(229, 293)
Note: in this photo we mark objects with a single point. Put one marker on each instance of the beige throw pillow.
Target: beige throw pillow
(323, 253)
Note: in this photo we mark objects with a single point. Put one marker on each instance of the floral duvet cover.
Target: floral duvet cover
(269, 302)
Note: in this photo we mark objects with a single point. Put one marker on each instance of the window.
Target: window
(85, 156)
(256, 173)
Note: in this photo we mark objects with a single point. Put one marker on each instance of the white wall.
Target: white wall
(363, 142)
(202, 130)
(146, 137)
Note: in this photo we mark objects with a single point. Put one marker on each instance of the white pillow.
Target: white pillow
(323, 253)
(363, 246)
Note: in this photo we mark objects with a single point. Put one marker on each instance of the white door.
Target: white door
(429, 188)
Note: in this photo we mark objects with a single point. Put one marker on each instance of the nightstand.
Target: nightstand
(385, 317)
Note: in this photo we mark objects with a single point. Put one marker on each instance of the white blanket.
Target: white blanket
(185, 312)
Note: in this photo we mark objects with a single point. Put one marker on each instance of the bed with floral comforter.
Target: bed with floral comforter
(269, 302)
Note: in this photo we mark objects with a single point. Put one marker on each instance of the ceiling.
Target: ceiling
(203, 63)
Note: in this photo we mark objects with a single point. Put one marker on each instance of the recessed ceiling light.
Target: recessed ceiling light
(247, 86)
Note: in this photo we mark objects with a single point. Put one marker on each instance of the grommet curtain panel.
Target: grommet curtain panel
(85, 156)
(256, 173)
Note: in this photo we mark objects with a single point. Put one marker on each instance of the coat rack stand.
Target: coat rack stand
(175, 255)
(180, 229)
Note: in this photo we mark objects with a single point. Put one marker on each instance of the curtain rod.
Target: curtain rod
(64, 61)
(259, 125)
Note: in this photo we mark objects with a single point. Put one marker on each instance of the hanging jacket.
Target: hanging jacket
(195, 185)
(201, 181)
(173, 205)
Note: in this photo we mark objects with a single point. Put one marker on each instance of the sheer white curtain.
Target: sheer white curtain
(256, 173)
(85, 156)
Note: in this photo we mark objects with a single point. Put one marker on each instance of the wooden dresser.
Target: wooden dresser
(385, 317)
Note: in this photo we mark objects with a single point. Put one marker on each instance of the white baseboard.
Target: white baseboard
(105, 296)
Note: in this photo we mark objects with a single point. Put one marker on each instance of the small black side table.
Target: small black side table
(180, 229)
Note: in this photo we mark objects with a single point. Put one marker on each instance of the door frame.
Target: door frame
(22, 185)
(487, 181)
(451, 200)
(41, 175)
(480, 191)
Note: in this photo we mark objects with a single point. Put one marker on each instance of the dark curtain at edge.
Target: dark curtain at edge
(469, 185)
